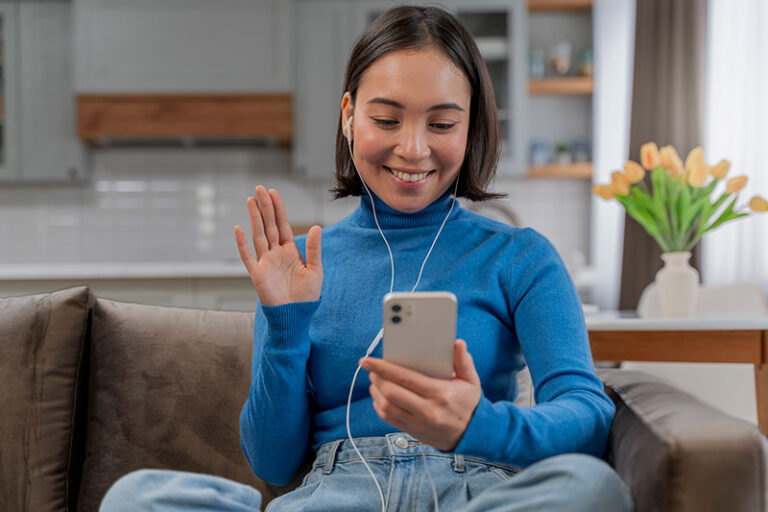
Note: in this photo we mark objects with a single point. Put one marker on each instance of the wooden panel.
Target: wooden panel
(677, 346)
(559, 5)
(761, 385)
(575, 85)
(174, 116)
(581, 170)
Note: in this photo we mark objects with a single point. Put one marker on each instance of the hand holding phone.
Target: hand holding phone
(420, 331)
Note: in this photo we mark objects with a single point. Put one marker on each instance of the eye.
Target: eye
(383, 122)
(443, 126)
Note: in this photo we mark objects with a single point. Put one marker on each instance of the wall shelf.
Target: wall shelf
(578, 170)
(559, 5)
(572, 85)
(164, 116)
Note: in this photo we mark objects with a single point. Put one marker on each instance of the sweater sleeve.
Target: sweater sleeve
(275, 420)
(572, 413)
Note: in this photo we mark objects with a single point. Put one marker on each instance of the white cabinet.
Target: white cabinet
(328, 29)
(39, 142)
(187, 46)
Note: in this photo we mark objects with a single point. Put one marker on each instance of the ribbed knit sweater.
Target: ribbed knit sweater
(517, 305)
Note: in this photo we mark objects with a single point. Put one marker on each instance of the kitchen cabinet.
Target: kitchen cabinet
(38, 140)
(560, 107)
(326, 31)
(190, 46)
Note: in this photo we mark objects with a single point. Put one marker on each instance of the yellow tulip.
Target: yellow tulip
(671, 160)
(698, 175)
(649, 155)
(635, 172)
(735, 184)
(619, 183)
(603, 191)
(720, 170)
(758, 204)
(695, 157)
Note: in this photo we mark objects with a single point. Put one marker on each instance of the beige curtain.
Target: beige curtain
(667, 107)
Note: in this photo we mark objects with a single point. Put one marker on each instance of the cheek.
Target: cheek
(371, 146)
(451, 149)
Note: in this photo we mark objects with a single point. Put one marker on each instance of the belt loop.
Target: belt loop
(458, 463)
(331, 457)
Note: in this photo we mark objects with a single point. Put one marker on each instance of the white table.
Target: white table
(622, 336)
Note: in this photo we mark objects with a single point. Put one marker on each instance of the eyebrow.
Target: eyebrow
(393, 103)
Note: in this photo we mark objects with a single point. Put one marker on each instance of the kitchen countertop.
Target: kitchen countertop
(583, 277)
(629, 321)
(144, 270)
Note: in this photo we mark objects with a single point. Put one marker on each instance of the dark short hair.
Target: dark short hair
(412, 28)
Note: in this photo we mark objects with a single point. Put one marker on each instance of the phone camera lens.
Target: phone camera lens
(396, 319)
(396, 308)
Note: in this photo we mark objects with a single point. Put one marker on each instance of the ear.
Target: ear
(347, 110)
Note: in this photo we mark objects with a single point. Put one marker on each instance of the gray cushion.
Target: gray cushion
(166, 389)
(42, 350)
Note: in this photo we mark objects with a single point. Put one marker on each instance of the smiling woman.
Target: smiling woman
(417, 128)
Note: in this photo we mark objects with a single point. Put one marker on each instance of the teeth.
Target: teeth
(408, 176)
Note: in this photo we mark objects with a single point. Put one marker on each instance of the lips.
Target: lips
(408, 175)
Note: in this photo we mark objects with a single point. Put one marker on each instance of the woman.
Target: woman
(417, 123)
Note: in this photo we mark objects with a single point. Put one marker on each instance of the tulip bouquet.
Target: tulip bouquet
(677, 210)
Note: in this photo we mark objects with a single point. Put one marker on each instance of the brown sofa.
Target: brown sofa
(92, 389)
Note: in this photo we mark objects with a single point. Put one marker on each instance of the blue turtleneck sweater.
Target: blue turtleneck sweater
(516, 305)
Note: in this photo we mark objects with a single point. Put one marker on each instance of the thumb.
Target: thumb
(463, 365)
(313, 248)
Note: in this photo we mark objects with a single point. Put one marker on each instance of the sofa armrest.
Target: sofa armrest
(679, 454)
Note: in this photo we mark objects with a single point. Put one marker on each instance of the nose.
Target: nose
(413, 143)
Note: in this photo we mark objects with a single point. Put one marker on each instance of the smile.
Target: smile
(410, 177)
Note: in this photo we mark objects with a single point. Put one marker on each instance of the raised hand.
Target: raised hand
(278, 272)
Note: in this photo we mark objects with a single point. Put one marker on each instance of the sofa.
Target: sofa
(93, 389)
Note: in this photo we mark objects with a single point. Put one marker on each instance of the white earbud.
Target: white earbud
(347, 127)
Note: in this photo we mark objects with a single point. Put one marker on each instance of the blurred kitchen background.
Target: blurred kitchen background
(134, 131)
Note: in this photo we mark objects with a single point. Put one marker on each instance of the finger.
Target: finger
(399, 396)
(314, 253)
(242, 247)
(463, 365)
(281, 218)
(257, 228)
(387, 411)
(410, 379)
(268, 216)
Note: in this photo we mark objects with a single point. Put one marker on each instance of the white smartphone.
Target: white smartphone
(420, 330)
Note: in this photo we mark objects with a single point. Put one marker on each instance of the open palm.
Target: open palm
(278, 272)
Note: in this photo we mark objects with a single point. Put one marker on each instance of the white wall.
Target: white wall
(176, 204)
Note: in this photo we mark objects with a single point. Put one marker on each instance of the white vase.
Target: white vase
(677, 285)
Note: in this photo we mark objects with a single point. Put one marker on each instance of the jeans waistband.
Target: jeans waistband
(384, 447)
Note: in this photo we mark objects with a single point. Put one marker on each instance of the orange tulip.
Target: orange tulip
(619, 183)
(695, 157)
(758, 204)
(671, 160)
(635, 172)
(735, 184)
(720, 170)
(698, 175)
(649, 155)
(603, 191)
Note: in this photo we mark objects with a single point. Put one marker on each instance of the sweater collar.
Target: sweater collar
(432, 215)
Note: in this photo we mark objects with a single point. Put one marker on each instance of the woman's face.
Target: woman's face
(409, 132)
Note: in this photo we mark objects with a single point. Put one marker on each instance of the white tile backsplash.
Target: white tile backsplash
(180, 204)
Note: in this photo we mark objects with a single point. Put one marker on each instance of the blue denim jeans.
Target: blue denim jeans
(338, 481)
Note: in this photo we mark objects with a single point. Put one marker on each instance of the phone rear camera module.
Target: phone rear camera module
(396, 308)
(396, 319)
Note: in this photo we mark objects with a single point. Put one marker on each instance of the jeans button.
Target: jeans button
(401, 442)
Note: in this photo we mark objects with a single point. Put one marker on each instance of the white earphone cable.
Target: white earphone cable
(380, 334)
